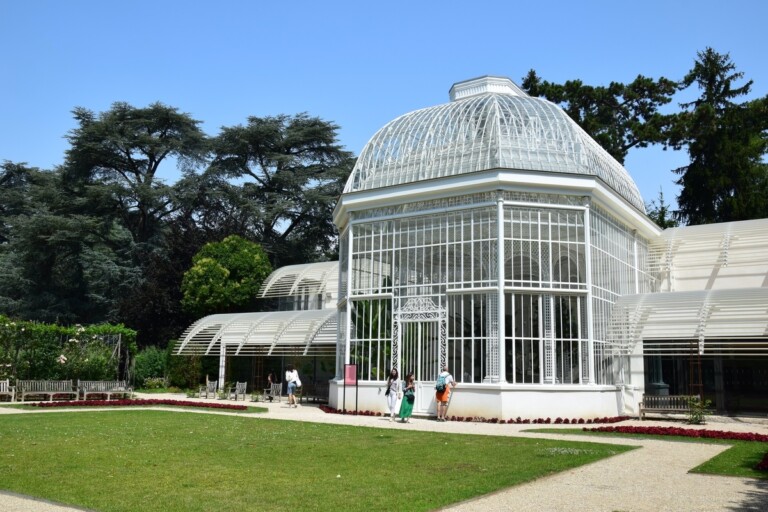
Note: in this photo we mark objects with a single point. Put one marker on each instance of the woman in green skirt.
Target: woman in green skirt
(409, 397)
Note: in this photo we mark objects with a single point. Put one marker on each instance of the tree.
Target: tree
(122, 149)
(659, 212)
(726, 178)
(293, 171)
(55, 265)
(619, 116)
(225, 277)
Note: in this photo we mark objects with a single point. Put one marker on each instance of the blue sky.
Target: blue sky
(359, 64)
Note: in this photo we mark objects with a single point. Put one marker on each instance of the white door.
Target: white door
(420, 354)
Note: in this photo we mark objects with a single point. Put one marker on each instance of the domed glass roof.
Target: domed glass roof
(490, 123)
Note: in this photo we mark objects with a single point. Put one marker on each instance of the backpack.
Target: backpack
(440, 384)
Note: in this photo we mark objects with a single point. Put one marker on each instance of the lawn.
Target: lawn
(152, 460)
(739, 460)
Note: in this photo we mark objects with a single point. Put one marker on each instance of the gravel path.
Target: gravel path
(652, 478)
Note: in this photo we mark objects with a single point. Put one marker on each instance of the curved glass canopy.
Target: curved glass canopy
(311, 278)
(274, 333)
(490, 124)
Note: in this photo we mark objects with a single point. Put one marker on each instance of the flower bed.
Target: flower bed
(691, 432)
(763, 464)
(684, 432)
(480, 419)
(127, 402)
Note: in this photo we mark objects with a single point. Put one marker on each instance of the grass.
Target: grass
(166, 461)
(739, 460)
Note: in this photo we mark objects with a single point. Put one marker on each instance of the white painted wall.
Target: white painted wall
(506, 401)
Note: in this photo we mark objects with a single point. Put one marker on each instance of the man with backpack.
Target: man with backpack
(443, 388)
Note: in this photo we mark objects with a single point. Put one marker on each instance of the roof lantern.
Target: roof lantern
(484, 85)
(490, 123)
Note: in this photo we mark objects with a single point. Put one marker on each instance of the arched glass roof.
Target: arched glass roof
(308, 279)
(694, 317)
(310, 332)
(489, 124)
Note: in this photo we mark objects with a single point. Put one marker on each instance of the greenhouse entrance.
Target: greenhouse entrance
(419, 349)
(421, 327)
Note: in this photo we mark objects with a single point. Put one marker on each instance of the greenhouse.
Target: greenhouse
(493, 235)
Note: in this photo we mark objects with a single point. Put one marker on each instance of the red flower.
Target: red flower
(129, 402)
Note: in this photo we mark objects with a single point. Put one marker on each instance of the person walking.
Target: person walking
(292, 378)
(392, 393)
(271, 379)
(409, 397)
(443, 387)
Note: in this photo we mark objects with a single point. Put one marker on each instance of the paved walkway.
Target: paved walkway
(652, 478)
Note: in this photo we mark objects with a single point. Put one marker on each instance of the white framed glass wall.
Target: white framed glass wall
(619, 266)
(449, 261)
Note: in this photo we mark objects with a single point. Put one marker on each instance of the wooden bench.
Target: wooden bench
(47, 388)
(680, 404)
(7, 390)
(103, 387)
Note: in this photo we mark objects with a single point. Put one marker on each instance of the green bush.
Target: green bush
(155, 383)
(699, 410)
(149, 363)
(183, 371)
(32, 350)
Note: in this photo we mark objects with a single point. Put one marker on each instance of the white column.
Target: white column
(590, 315)
(348, 324)
(222, 363)
(502, 328)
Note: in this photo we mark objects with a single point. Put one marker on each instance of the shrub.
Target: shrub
(155, 383)
(699, 409)
(148, 364)
(33, 350)
(183, 371)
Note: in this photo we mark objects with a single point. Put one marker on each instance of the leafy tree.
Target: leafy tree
(293, 170)
(225, 277)
(659, 212)
(727, 178)
(115, 157)
(56, 265)
(619, 116)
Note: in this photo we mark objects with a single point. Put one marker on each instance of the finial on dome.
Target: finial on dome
(484, 85)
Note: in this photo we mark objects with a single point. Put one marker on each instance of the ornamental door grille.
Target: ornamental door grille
(420, 347)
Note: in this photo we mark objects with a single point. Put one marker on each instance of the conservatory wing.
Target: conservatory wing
(274, 333)
(708, 322)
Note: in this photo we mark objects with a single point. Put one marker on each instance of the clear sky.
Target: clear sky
(359, 64)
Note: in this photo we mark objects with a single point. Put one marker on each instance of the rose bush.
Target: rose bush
(480, 419)
(683, 432)
(129, 402)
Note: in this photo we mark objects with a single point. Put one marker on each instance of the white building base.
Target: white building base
(502, 402)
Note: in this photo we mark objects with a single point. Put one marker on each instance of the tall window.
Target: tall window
(371, 341)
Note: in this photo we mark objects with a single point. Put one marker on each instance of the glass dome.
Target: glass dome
(490, 123)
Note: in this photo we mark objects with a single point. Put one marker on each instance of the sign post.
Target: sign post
(350, 378)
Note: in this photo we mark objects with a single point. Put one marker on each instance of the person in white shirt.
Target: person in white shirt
(392, 393)
(292, 378)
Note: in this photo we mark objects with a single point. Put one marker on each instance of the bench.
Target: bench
(47, 388)
(7, 390)
(103, 387)
(680, 404)
(315, 392)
